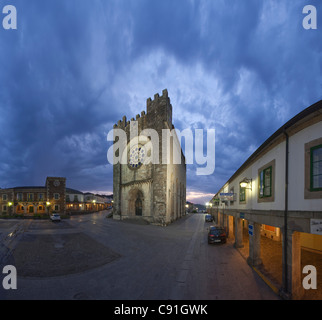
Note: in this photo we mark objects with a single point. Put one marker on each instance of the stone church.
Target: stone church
(154, 191)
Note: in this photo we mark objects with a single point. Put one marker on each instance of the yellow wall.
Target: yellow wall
(311, 241)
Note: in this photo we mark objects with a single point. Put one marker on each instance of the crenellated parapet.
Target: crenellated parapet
(159, 105)
(157, 101)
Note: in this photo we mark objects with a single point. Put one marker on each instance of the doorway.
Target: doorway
(138, 206)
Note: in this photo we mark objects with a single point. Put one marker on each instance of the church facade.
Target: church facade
(145, 186)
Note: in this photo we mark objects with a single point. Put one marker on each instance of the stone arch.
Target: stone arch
(136, 203)
(20, 209)
(41, 209)
(31, 209)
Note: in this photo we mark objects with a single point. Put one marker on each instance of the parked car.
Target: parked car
(55, 217)
(209, 218)
(216, 235)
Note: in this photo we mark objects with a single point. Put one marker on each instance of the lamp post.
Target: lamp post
(10, 204)
(246, 182)
(48, 206)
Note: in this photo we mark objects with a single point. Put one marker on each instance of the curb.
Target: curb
(276, 290)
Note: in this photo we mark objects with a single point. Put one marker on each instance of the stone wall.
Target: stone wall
(162, 186)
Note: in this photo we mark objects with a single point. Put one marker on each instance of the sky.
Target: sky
(73, 68)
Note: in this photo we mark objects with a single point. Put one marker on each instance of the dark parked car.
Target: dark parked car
(209, 218)
(216, 235)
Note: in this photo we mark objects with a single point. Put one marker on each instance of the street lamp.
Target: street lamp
(245, 183)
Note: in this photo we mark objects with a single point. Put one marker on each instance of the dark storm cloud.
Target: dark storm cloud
(74, 68)
(49, 95)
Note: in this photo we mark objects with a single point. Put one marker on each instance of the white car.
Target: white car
(55, 217)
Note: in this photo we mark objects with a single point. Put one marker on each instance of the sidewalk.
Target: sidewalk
(271, 269)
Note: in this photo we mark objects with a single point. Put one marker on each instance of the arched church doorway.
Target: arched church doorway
(136, 202)
(138, 207)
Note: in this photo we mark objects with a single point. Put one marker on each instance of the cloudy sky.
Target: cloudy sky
(73, 68)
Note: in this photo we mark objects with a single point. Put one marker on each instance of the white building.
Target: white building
(279, 188)
(75, 200)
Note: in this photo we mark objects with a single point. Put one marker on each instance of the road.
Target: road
(95, 257)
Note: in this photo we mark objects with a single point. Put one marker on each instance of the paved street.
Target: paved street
(95, 257)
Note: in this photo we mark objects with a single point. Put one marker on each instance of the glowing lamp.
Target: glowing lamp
(245, 183)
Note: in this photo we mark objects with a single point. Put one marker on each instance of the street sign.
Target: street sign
(316, 226)
(250, 229)
(226, 196)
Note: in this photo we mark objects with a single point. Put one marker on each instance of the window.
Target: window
(30, 197)
(316, 168)
(75, 198)
(233, 198)
(4, 208)
(19, 196)
(56, 207)
(242, 194)
(313, 169)
(56, 196)
(41, 197)
(265, 183)
(4, 197)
